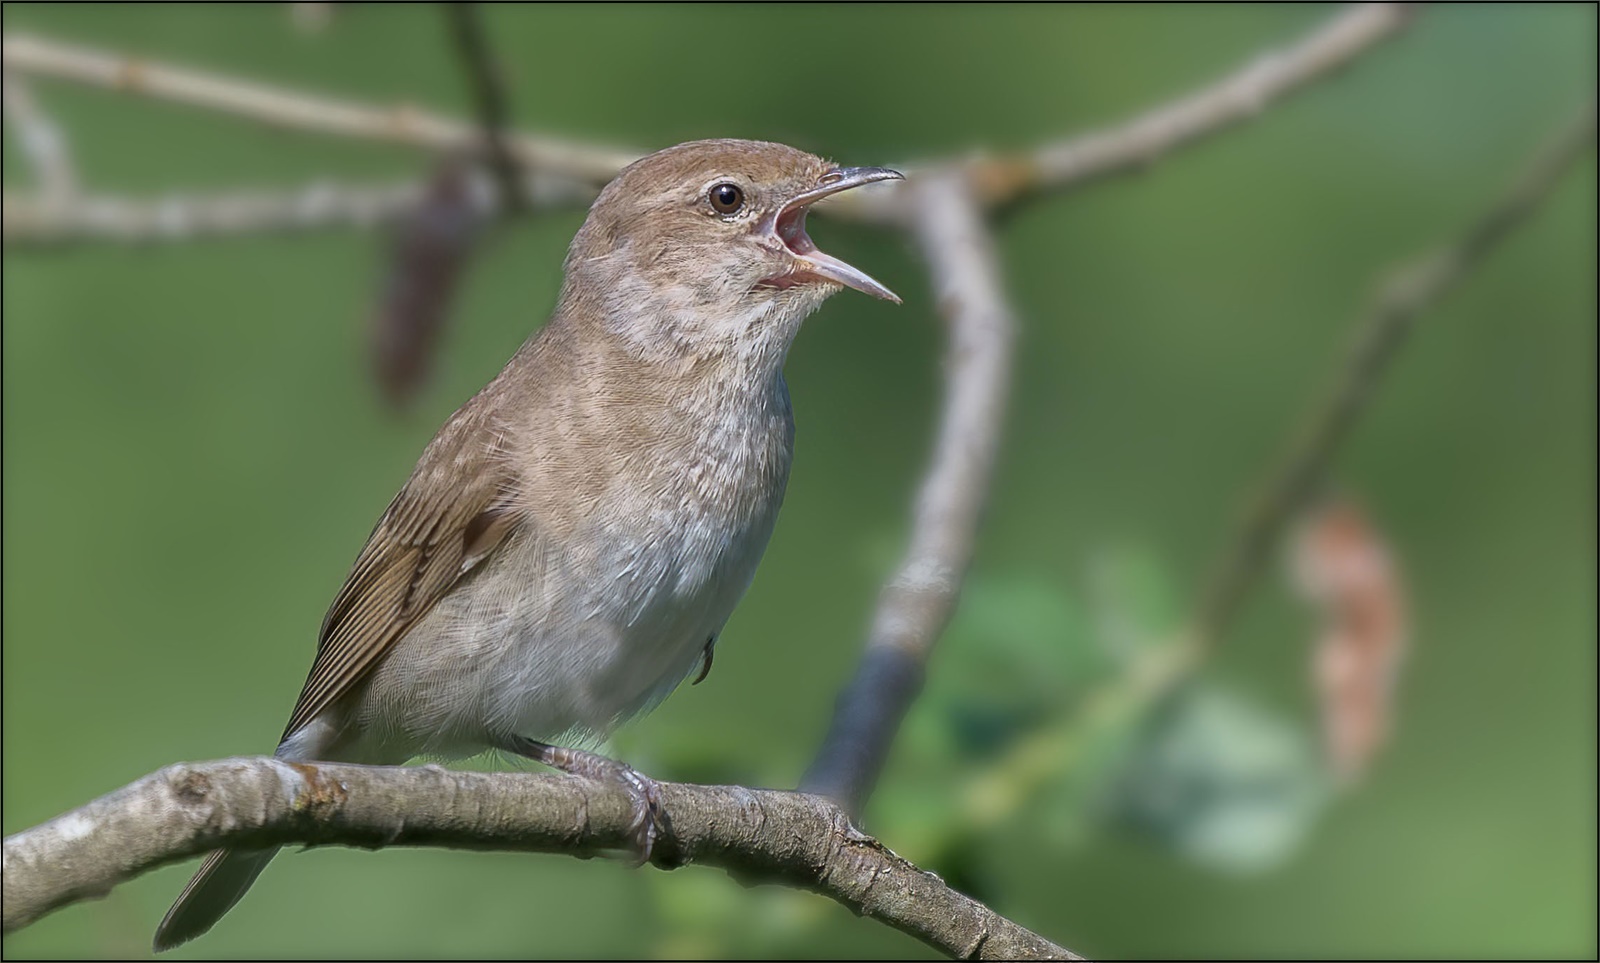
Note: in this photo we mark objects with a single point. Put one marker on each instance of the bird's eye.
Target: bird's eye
(726, 199)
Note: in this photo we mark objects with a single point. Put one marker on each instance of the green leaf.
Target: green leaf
(1227, 783)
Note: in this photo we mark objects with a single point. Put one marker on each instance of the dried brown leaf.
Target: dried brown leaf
(428, 252)
(1345, 569)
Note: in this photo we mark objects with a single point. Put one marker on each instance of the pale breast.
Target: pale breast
(583, 620)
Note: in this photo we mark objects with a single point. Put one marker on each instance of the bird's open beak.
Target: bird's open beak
(789, 227)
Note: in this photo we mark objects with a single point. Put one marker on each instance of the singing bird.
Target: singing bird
(575, 536)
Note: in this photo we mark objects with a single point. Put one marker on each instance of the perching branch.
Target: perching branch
(573, 172)
(761, 835)
(1379, 332)
(918, 601)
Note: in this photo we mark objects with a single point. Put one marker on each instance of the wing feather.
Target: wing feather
(442, 524)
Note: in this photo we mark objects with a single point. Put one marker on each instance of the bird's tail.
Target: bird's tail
(222, 881)
(226, 874)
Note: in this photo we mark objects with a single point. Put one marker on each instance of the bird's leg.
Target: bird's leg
(642, 790)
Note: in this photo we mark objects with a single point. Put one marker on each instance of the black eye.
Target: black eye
(726, 199)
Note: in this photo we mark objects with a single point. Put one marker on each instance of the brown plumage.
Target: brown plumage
(578, 531)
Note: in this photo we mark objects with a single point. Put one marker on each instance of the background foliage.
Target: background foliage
(194, 452)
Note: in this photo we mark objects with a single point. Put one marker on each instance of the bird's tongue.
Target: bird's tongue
(792, 229)
(814, 264)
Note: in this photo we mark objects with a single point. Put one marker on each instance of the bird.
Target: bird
(571, 542)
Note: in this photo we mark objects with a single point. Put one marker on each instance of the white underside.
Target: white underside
(534, 645)
(561, 640)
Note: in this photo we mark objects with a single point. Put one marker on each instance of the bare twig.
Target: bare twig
(411, 126)
(918, 601)
(42, 142)
(310, 17)
(1162, 668)
(1238, 97)
(1379, 332)
(189, 809)
(183, 217)
(583, 169)
(1135, 143)
(488, 91)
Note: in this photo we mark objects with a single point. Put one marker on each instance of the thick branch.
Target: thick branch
(1379, 332)
(757, 835)
(919, 600)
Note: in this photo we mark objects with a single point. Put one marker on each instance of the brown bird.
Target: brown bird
(573, 539)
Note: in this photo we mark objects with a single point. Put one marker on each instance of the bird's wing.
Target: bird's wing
(444, 523)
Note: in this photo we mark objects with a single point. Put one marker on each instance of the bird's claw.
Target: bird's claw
(645, 826)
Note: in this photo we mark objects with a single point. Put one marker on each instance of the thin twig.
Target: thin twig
(918, 601)
(406, 125)
(1240, 96)
(1237, 97)
(488, 92)
(1134, 144)
(182, 217)
(1379, 332)
(29, 220)
(1005, 785)
(42, 142)
(189, 809)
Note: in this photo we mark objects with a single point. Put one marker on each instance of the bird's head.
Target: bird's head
(705, 244)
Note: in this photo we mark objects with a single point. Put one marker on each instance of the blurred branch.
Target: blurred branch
(310, 17)
(944, 207)
(183, 217)
(1236, 98)
(466, 28)
(994, 795)
(1134, 144)
(1379, 332)
(918, 601)
(407, 125)
(756, 835)
(579, 170)
(31, 220)
(42, 142)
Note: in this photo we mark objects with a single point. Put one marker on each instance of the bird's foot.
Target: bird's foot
(644, 792)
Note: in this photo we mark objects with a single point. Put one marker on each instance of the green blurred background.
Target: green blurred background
(194, 452)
